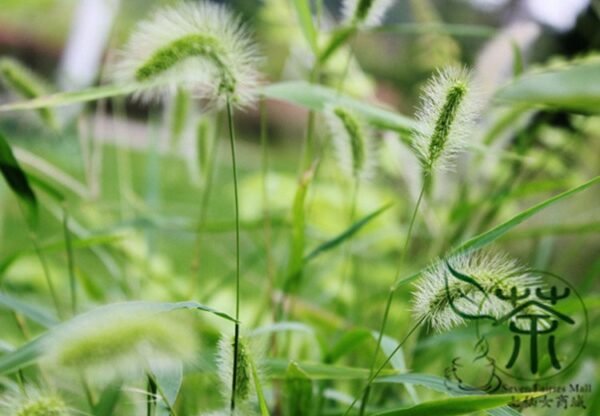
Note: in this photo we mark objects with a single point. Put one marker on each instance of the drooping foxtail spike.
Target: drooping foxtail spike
(444, 301)
(200, 47)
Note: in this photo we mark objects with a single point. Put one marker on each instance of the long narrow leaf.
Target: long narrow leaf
(306, 23)
(16, 177)
(457, 405)
(37, 315)
(489, 236)
(72, 97)
(442, 385)
(492, 235)
(317, 98)
(346, 234)
(575, 87)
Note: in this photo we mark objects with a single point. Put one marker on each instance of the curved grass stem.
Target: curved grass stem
(388, 304)
(376, 373)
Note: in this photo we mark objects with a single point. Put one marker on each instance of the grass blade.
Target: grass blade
(489, 236)
(39, 316)
(458, 405)
(306, 23)
(16, 178)
(347, 343)
(346, 234)
(317, 98)
(442, 385)
(262, 402)
(492, 235)
(108, 400)
(276, 368)
(72, 97)
(575, 87)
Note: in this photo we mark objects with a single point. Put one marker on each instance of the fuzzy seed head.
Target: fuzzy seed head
(446, 115)
(33, 403)
(352, 143)
(119, 343)
(243, 387)
(200, 47)
(490, 270)
(365, 13)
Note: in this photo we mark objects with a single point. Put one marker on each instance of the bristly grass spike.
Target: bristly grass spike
(32, 401)
(446, 115)
(352, 142)
(200, 47)
(119, 344)
(490, 271)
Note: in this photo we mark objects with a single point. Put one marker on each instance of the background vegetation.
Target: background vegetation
(135, 201)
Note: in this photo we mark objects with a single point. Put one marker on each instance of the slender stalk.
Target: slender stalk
(390, 298)
(236, 341)
(70, 261)
(347, 257)
(42, 259)
(264, 144)
(151, 397)
(206, 195)
(376, 373)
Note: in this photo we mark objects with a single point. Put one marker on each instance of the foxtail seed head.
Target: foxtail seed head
(200, 47)
(434, 302)
(119, 343)
(32, 402)
(352, 142)
(446, 114)
(365, 13)
(225, 360)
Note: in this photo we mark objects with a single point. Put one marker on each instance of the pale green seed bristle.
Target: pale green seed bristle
(243, 373)
(44, 406)
(186, 47)
(103, 345)
(120, 345)
(355, 134)
(244, 384)
(445, 121)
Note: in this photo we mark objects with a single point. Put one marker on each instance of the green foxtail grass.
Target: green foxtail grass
(198, 47)
(32, 402)
(109, 344)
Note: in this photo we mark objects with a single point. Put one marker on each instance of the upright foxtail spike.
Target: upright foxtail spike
(446, 114)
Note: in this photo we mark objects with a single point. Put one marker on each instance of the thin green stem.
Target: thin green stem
(46, 271)
(376, 373)
(236, 341)
(206, 195)
(264, 144)
(151, 398)
(347, 257)
(390, 299)
(70, 261)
